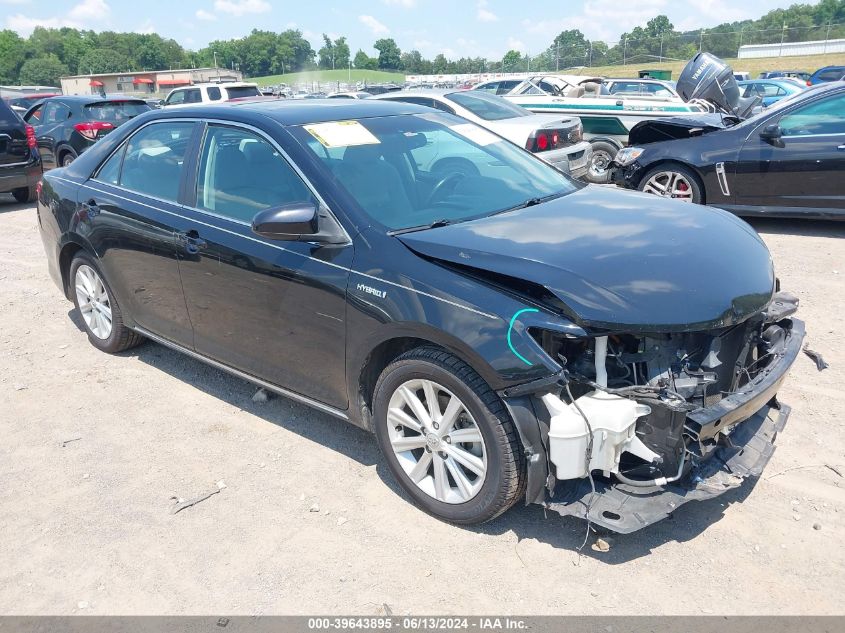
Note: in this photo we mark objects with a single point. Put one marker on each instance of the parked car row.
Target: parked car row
(788, 160)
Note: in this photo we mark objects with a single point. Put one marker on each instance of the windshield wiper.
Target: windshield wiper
(531, 202)
(422, 227)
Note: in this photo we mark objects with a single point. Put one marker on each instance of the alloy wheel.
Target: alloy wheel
(599, 162)
(93, 301)
(436, 441)
(669, 184)
(67, 159)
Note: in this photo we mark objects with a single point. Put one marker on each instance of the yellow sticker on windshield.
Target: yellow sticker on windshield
(341, 134)
(475, 134)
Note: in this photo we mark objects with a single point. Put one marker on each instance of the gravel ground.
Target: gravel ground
(310, 520)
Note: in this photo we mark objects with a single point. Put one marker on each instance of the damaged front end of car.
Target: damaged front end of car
(637, 424)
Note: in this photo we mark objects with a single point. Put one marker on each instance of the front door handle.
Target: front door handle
(192, 241)
(841, 147)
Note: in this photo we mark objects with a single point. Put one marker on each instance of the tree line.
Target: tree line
(48, 54)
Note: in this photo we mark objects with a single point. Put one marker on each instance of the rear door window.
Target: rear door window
(831, 75)
(193, 96)
(213, 93)
(154, 158)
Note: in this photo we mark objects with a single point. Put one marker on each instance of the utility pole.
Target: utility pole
(701, 40)
(827, 36)
(660, 58)
(350, 71)
(739, 48)
(591, 54)
(624, 49)
(557, 56)
(216, 66)
(782, 36)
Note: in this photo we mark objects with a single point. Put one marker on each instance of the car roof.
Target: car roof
(419, 92)
(85, 99)
(296, 112)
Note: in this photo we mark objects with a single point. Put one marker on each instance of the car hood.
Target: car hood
(669, 129)
(616, 259)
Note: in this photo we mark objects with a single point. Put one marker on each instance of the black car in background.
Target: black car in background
(788, 161)
(20, 163)
(66, 126)
(466, 319)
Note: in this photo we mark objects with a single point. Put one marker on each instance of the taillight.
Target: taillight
(38, 187)
(30, 137)
(809, 83)
(90, 129)
(544, 140)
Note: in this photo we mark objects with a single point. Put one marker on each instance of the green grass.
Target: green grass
(807, 63)
(330, 76)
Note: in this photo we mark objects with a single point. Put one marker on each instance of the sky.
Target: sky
(456, 28)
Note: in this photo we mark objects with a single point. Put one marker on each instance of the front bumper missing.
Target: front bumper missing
(750, 418)
(626, 509)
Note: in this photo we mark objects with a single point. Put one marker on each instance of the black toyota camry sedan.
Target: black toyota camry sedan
(507, 334)
(788, 160)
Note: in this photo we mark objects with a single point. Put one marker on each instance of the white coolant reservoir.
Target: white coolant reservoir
(613, 420)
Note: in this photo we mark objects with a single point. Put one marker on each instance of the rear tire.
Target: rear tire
(67, 158)
(598, 171)
(101, 315)
(446, 459)
(25, 194)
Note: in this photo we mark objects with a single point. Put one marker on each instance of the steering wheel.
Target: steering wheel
(442, 184)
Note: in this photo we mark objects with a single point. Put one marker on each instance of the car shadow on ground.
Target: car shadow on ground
(9, 204)
(803, 227)
(526, 522)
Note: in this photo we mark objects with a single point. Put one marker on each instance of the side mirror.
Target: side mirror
(297, 221)
(771, 133)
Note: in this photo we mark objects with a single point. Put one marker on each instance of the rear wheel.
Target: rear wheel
(599, 168)
(673, 181)
(101, 315)
(67, 158)
(447, 437)
(25, 194)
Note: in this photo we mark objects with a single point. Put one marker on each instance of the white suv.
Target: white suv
(210, 93)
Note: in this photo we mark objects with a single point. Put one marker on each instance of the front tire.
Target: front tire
(447, 437)
(101, 315)
(673, 181)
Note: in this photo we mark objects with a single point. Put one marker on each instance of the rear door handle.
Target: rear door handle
(192, 241)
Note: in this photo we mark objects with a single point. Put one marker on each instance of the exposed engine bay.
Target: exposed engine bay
(647, 410)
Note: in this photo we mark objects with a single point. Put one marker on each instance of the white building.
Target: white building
(792, 49)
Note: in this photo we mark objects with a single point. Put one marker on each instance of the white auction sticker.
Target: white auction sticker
(474, 133)
(341, 134)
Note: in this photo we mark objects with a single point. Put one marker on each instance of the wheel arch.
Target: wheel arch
(663, 162)
(62, 150)
(366, 367)
(68, 251)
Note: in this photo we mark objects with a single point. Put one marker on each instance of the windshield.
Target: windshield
(415, 170)
(486, 106)
(116, 112)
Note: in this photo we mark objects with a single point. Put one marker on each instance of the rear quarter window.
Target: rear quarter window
(242, 91)
(8, 118)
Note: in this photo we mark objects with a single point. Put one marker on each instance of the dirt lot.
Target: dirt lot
(87, 528)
